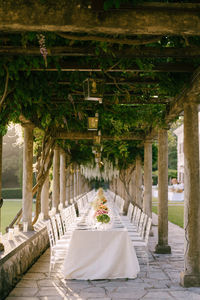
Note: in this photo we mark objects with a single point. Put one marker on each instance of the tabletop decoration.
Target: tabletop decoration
(101, 210)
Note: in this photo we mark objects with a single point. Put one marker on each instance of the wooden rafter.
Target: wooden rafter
(122, 81)
(106, 102)
(149, 18)
(187, 52)
(90, 135)
(169, 67)
(190, 93)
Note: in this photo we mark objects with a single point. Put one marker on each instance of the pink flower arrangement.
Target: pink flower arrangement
(100, 212)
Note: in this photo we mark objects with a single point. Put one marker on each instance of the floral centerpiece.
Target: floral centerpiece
(101, 210)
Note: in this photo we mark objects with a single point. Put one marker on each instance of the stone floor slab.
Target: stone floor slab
(22, 298)
(27, 283)
(34, 276)
(161, 283)
(23, 292)
(185, 295)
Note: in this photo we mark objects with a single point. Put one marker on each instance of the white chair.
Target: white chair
(133, 226)
(128, 217)
(62, 234)
(59, 241)
(80, 206)
(138, 232)
(68, 221)
(57, 252)
(143, 243)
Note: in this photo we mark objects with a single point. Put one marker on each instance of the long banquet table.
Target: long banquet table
(99, 253)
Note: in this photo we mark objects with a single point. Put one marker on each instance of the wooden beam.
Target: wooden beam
(121, 81)
(149, 18)
(187, 52)
(135, 102)
(74, 67)
(190, 93)
(139, 92)
(90, 135)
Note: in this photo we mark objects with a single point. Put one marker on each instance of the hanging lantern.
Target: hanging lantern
(93, 122)
(98, 155)
(93, 89)
(97, 138)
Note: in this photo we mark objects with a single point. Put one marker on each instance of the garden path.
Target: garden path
(162, 282)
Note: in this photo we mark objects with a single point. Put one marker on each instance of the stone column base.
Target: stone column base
(163, 249)
(189, 280)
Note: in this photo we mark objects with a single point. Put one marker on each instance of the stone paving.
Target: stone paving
(160, 283)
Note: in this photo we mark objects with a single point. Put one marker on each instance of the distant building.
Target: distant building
(180, 151)
(11, 160)
(180, 154)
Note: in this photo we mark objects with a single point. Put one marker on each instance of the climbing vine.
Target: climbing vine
(41, 97)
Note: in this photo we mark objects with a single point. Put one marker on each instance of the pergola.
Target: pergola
(139, 29)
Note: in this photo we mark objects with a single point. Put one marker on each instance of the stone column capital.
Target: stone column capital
(62, 151)
(57, 147)
(25, 122)
(163, 129)
(148, 141)
(28, 125)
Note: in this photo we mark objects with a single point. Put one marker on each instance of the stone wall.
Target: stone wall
(15, 263)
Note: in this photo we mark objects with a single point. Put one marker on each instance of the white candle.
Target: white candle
(10, 233)
(60, 206)
(25, 226)
(16, 229)
(41, 216)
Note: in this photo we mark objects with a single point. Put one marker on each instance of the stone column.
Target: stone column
(138, 180)
(1, 153)
(56, 179)
(62, 177)
(79, 184)
(116, 185)
(191, 274)
(162, 246)
(147, 203)
(75, 183)
(27, 175)
(72, 185)
(45, 195)
(78, 179)
(67, 186)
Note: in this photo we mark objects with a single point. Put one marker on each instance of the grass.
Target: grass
(8, 211)
(175, 214)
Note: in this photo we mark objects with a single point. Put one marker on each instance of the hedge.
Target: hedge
(171, 174)
(12, 193)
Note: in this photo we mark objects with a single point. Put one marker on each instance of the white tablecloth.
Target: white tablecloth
(100, 254)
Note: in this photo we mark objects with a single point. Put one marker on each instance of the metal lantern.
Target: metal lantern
(93, 89)
(97, 138)
(98, 155)
(93, 122)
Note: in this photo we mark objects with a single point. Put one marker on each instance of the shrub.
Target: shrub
(12, 193)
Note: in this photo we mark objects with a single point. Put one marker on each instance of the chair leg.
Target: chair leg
(51, 264)
(147, 256)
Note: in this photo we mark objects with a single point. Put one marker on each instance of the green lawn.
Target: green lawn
(175, 214)
(8, 211)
